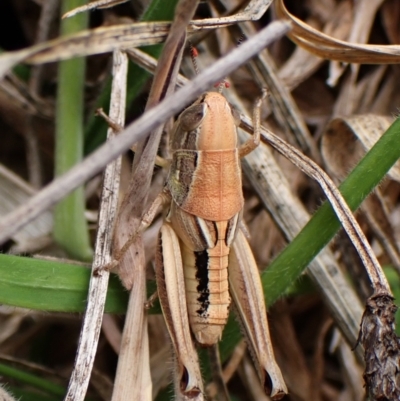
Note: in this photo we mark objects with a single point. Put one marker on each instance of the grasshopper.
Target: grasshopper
(203, 258)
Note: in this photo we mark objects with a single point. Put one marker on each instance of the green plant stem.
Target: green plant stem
(70, 227)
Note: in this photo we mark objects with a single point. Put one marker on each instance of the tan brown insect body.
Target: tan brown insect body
(203, 258)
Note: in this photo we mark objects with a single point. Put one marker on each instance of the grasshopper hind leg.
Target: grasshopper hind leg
(171, 291)
(246, 290)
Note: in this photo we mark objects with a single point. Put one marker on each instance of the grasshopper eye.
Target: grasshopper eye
(192, 117)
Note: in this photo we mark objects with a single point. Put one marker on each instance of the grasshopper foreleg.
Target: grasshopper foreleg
(254, 141)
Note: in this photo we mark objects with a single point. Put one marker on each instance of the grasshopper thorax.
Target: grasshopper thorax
(205, 175)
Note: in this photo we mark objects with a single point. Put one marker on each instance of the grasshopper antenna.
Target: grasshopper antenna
(224, 83)
(194, 54)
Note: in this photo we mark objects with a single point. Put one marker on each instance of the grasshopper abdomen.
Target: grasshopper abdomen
(207, 288)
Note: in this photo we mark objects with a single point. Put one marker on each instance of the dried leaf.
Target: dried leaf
(334, 49)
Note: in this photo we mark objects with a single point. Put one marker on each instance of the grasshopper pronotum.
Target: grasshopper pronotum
(203, 258)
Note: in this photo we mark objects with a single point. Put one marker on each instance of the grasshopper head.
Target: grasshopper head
(218, 129)
(208, 124)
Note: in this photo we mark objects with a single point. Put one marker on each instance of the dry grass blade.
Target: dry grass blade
(89, 42)
(377, 333)
(15, 191)
(91, 328)
(283, 106)
(362, 132)
(108, 39)
(138, 130)
(252, 12)
(302, 64)
(133, 379)
(92, 6)
(330, 48)
(343, 144)
(378, 279)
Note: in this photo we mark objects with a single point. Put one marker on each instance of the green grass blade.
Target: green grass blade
(29, 378)
(317, 233)
(23, 395)
(324, 224)
(52, 286)
(70, 227)
(52, 390)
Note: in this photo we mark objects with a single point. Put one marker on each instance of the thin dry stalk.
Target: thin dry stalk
(221, 391)
(249, 377)
(48, 13)
(344, 214)
(91, 328)
(93, 5)
(230, 368)
(107, 39)
(283, 105)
